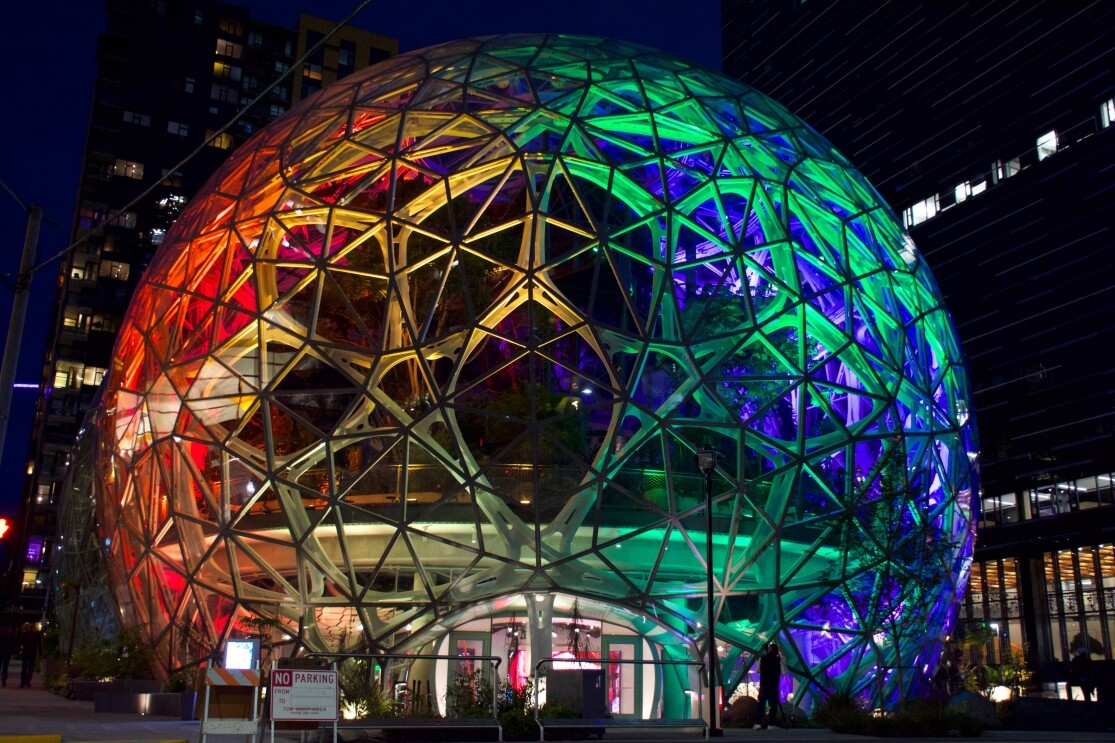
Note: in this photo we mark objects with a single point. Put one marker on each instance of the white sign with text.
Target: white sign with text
(303, 695)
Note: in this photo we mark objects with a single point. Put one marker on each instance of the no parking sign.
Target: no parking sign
(302, 694)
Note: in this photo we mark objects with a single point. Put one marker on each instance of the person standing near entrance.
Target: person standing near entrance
(770, 675)
(1081, 666)
(30, 642)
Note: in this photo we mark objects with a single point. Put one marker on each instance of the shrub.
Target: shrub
(559, 711)
(179, 681)
(361, 694)
(96, 662)
(57, 682)
(919, 718)
(471, 696)
(743, 712)
(126, 657)
(842, 713)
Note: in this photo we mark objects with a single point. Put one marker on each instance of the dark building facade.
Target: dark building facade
(170, 75)
(988, 127)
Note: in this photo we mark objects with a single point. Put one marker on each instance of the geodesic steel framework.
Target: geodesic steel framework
(452, 330)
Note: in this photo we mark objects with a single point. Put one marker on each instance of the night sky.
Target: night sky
(48, 51)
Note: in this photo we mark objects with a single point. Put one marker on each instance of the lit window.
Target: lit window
(255, 38)
(126, 220)
(222, 141)
(277, 111)
(226, 71)
(171, 204)
(92, 375)
(115, 270)
(963, 191)
(968, 188)
(174, 127)
(227, 48)
(67, 376)
(312, 71)
(346, 55)
(172, 179)
(282, 67)
(128, 169)
(1107, 113)
(133, 118)
(157, 235)
(922, 211)
(1047, 145)
(224, 93)
(108, 323)
(68, 320)
(90, 215)
(1001, 170)
(231, 26)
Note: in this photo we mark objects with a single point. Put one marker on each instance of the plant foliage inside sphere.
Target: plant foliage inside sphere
(451, 332)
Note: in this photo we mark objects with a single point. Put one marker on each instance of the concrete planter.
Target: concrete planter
(131, 696)
(187, 705)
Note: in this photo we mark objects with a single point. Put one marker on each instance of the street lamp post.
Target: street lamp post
(706, 462)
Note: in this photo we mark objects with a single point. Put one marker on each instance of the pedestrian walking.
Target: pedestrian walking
(30, 642)
(1081, 666)
(770, 676)
(8, 644)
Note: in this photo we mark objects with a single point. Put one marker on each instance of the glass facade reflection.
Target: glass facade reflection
(1049, 500)
(1046, 608)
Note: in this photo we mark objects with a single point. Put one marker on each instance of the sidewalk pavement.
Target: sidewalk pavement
(35, 712)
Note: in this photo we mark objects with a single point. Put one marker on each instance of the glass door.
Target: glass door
(467, 675)
(624, 680)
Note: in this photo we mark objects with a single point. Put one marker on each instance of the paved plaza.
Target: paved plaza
(36, 712)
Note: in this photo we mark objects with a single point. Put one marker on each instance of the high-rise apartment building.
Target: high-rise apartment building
(170, 75)
(988, 126)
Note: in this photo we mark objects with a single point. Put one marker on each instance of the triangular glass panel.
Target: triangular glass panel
(472, 197)
(617, 150)
(337, 321)
(623, 508)
(332, 393)
(502, 246)
(681, 557)
(649, 174)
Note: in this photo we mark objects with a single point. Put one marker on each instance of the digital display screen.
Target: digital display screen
(242, 654)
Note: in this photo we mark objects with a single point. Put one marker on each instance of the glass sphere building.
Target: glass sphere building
(428, 361)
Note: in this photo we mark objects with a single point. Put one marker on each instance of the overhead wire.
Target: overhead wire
(114, 215)
(10, 191)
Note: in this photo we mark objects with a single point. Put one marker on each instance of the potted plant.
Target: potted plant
(182, 682)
